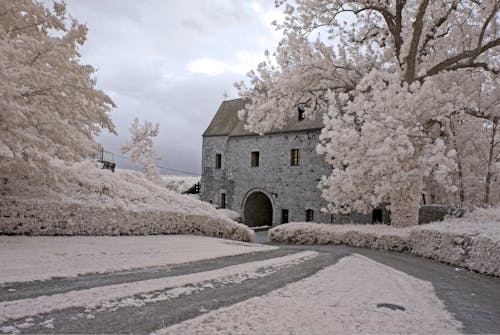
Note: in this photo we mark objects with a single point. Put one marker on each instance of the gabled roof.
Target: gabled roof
(227, 123)
(226, 118)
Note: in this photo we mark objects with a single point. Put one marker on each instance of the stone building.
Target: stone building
(269, 179)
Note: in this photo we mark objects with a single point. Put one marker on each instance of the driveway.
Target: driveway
(473, 299)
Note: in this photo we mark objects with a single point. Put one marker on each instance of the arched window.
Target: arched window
(309, 215)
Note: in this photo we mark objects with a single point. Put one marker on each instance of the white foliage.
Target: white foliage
(49, 106)
(390, 76)
(472, 242)
(229, 213)
(377, 144)
(87, 200)
(368, 236)
(179, 184)
(140, 146)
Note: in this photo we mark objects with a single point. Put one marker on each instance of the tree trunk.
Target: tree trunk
(487, 183)
(459, 164)
(405, 204)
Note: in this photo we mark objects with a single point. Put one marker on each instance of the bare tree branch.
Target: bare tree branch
(467, 54)
(411, 58)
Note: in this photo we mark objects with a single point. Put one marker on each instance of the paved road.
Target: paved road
(474, 299)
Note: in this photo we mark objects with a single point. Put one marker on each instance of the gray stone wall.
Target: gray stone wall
(294, 188)
(432, 213)
(213, 180)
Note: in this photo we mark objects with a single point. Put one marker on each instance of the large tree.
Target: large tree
(384, 72)
(49, 105)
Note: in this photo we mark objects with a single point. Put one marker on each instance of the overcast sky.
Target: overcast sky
(170, 61)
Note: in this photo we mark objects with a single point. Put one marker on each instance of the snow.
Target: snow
(340, 299)
(86, 200)
(24, 258)
(471, 242)
(101, 296)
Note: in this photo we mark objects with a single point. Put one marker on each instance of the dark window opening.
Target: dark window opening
(218, 161)
(301, 113)
(309, 215)
(377, 216)
(222, 200)
(284, 216)
(294, 157)
(254, 159)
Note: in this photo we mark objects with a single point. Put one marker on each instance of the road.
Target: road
(474, 299)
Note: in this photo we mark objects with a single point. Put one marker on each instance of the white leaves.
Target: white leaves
(140, 146)
(391, 83)
(49, 104)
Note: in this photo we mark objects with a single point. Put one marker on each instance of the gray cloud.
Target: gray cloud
(143, 51)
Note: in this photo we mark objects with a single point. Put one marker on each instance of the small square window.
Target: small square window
(218, 161)
(254, 159)
(294, 157)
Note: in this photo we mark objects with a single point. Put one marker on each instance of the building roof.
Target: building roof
(227, 123)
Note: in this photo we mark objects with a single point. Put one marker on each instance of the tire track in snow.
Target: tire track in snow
(95, 297)
(152, 316)
(25, 290)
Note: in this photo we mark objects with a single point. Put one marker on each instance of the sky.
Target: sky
(171, 61)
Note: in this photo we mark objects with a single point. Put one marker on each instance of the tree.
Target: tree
(141, 146)
(473, 133)
(383, 71)
(49, 104)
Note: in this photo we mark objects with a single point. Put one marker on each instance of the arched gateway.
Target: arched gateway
(258, 210)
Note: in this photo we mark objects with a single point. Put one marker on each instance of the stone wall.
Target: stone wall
(213, 180)
(294, 188)
(432, 213)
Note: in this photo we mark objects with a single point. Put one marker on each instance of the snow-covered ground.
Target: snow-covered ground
(472, 241)
(354, 296)
(26, 258)
(340, 298)
(83, 199)
(119, 295)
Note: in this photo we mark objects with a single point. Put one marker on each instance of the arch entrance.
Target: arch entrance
(258, 210)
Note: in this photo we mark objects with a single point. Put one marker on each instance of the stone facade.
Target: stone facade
(276, 190)
(291, 190)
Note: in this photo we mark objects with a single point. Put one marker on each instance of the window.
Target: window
(309, 215)
(284, 216)
(218, 161)
(301, 112)
(222, 200)
(294, 157)
(254, 159)
(377, 216)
